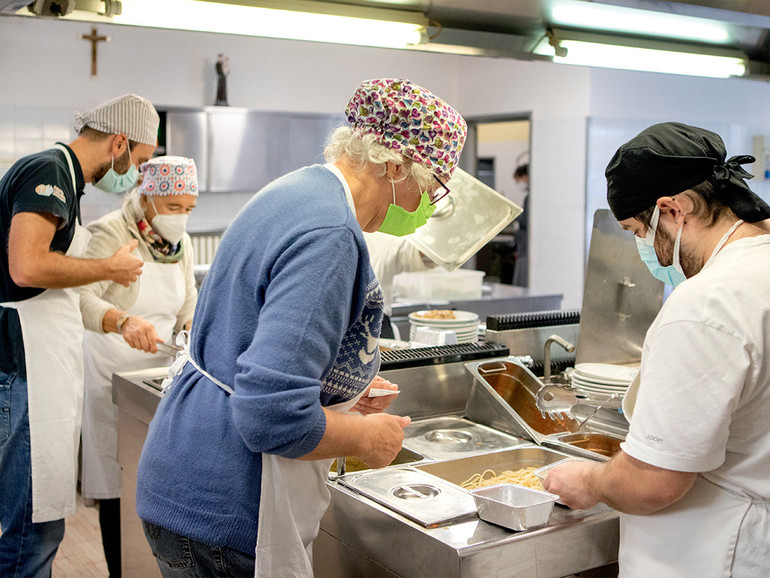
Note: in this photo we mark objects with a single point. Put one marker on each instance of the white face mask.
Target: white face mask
(170, 227)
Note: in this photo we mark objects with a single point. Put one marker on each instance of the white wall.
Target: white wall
(624, 103)
(558, 99)
(44, 64)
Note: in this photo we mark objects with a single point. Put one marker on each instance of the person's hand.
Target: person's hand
(386, 434)
(367, 405)
(575, 482)
(124, 267)
(140, 334)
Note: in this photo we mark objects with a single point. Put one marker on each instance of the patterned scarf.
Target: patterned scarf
(162, 251)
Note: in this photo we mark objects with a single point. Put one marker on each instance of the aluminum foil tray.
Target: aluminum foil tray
(514, 507)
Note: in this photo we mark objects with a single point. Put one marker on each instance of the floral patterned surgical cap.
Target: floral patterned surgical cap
(169, 175)
(410, 120)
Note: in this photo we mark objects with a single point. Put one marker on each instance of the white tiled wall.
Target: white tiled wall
(28, 129)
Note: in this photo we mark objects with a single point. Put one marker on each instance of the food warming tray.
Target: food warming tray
(450, 437)
(503, 397)
(418, 496)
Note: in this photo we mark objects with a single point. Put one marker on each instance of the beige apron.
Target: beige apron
(293, 496)
(161, 295)
(52, 330)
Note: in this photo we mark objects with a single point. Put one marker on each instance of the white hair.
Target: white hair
(365, 151)
(132, 204)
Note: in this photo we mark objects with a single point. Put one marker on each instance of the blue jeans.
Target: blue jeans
(26, 549)
(178, 556)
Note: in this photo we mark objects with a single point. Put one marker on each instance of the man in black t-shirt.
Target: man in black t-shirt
(40, 326)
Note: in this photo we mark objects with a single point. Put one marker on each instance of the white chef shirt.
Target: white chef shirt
(705, 375)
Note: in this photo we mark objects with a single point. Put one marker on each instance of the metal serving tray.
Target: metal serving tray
(449, 437)
(503, 397)
(418, 496)
(459, 470)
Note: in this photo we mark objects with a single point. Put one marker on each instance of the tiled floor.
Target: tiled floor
(80, 553)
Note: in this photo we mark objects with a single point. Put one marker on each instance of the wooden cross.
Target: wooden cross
(94, 38)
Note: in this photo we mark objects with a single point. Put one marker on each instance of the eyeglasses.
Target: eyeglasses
(436, 199)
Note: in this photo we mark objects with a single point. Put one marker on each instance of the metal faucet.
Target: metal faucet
(569, 347)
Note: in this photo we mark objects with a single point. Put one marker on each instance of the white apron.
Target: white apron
(712, 531)
(293, 497)
(161, 296)
(292, 502)
(52, 330)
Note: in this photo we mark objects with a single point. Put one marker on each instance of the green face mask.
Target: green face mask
(399, 222)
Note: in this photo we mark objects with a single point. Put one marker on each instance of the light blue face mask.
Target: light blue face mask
(113, 182)
(671, 275)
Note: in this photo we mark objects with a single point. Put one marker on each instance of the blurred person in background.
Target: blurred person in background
(232, 477)
(125, 323)
(41, 330)
(389, 256)
(521, 252)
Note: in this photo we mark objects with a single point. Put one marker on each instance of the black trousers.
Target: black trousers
(109, 520)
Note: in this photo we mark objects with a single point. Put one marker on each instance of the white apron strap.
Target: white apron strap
(183, 341)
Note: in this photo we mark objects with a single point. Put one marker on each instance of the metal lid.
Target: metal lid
(466, 220)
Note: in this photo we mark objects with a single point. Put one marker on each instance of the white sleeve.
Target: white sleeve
(692, 376)
(390, 255)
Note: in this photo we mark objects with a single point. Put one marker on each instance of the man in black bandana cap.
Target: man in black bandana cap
(691, 480)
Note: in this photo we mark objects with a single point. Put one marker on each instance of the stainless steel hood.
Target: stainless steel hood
(510, 28)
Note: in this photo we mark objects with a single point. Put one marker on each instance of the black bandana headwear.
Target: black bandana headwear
(669, 158)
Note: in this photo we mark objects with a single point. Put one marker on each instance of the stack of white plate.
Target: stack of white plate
(603, 379)
(465, 325)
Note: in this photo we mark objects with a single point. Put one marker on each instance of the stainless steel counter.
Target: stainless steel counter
(360, 536)
(136, 403)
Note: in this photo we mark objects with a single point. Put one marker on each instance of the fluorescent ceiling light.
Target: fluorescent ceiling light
(593, 16)
(604, 55)
(290, 23)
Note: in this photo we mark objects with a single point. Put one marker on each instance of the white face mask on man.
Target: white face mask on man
(171, 227)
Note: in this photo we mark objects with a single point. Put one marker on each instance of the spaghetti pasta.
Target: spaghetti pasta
(523, 477)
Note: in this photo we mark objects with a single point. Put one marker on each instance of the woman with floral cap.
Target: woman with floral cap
(283, 351)
(126, 322)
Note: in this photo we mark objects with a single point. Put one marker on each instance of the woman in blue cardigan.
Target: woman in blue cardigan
(283, 349)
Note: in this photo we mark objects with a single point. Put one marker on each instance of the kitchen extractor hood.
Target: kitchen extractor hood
(513, 28)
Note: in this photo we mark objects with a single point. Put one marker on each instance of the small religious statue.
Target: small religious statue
(223, 69)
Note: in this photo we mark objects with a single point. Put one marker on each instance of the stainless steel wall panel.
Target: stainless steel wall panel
(242, 150)
(620, 299)
(187, 136)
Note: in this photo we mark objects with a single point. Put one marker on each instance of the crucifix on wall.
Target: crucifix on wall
(94, 38)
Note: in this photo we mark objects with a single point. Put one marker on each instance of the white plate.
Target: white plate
(580, 380)
(606, 372)
(599, 389)
(609, 382)
(589, 383)
(460, 316)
